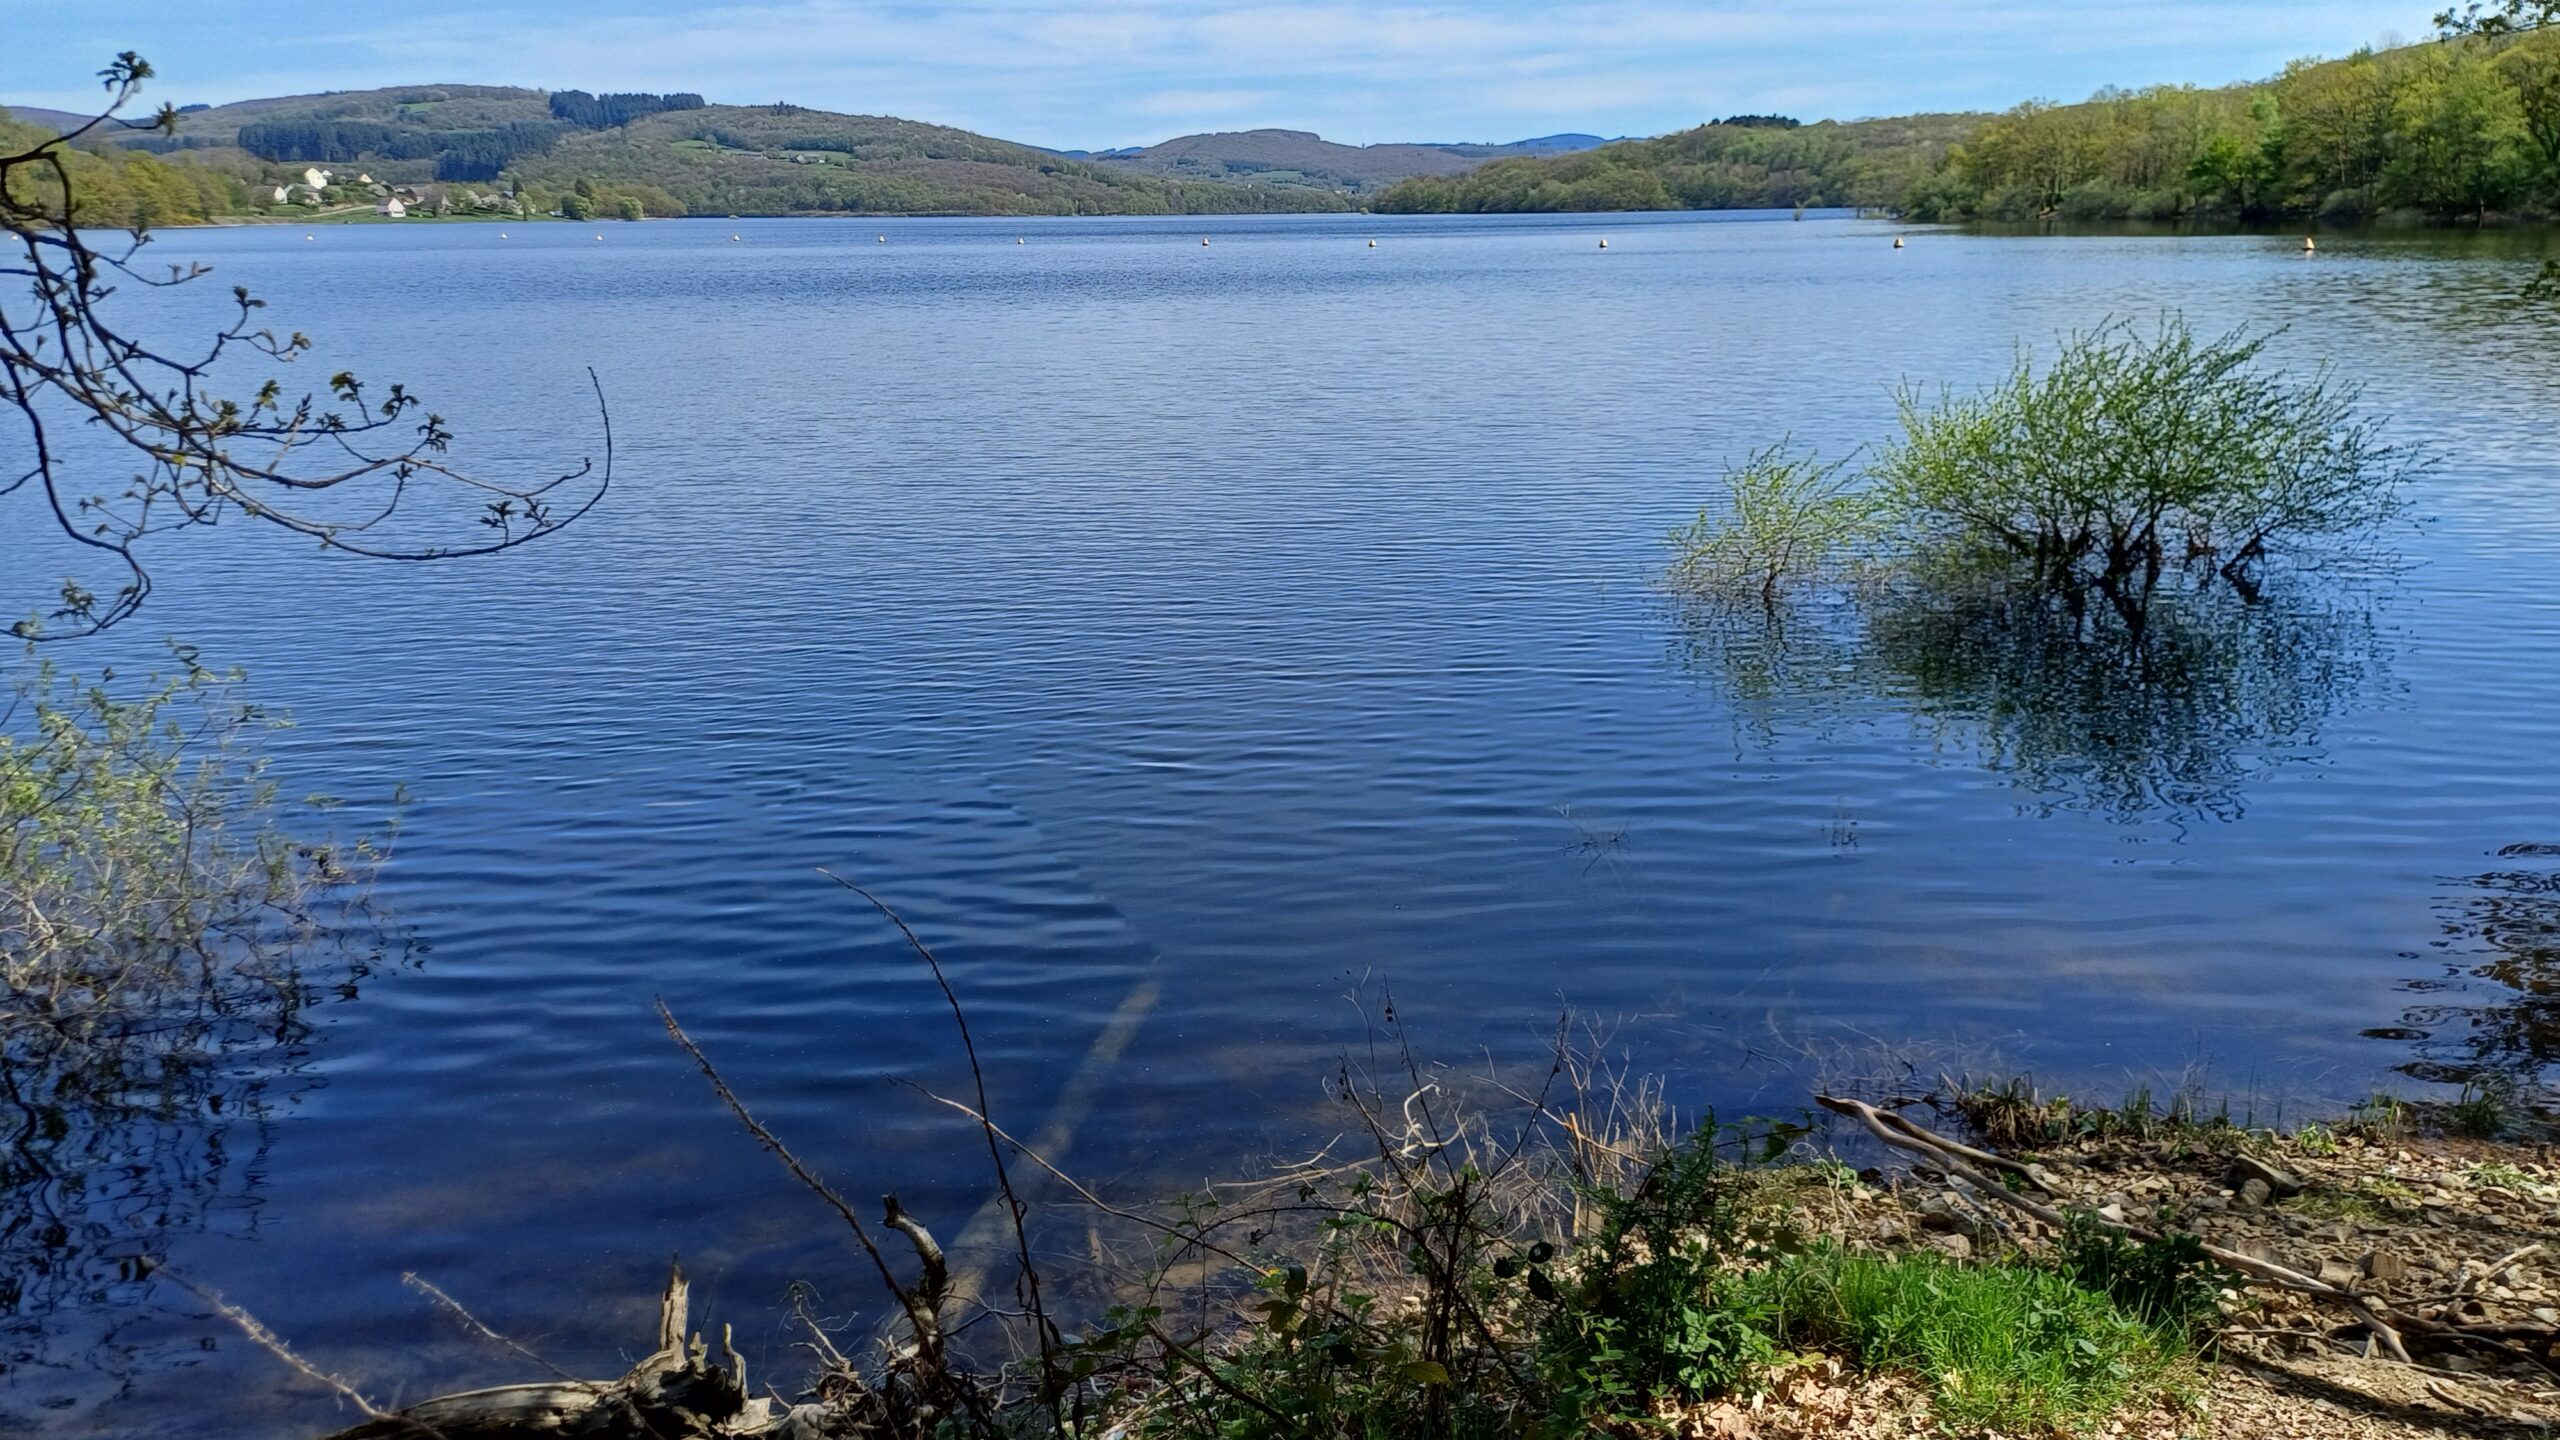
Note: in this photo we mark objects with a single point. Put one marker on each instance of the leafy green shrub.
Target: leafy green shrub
(1790, 518)
(1652, 1310)
(2131, 453)
(2001, 1346)
(147, 892)
(2168, 1283)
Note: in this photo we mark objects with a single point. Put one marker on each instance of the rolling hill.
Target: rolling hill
(1298, 157)
(1744, 163)
(675, 154)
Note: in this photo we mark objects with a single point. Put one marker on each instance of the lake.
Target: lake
(1187, 640)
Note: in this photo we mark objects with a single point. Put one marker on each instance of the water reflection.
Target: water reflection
(2172, 718)
(2497, 1015)
(119, 1144)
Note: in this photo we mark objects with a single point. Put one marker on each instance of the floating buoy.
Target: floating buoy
(883, 240)
(310, 237)
(1204, 239)
(2309, 244)
(1897, 242)
(502, 234)
(1604, 244)
(1373, 244)
(1018, 240)
(733, 239)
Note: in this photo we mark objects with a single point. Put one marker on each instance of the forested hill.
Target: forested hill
(783, 159)
(1747, 162)
(2442, 129)
(1298, 157)
(478, 146)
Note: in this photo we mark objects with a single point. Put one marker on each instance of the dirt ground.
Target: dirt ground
(2442, 1228)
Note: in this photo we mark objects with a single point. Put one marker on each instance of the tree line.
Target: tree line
(116, 188)
(459, 154)
(604, 112)
(2462, 127)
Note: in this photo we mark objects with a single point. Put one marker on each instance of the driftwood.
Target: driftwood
(680, 1392)
(2387, 1324)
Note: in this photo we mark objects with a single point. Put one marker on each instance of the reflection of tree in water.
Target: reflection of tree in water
(2498, 1016)
(2086, 712)
(2175, 719)
(119, 1144)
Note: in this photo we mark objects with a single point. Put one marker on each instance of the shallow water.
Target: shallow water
(1181, 634)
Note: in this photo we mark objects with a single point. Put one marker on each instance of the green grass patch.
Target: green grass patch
(2001, 1347)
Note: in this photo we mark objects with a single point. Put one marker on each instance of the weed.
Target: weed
(2499, 1175)
(2380, 1117)
(2484, 1109)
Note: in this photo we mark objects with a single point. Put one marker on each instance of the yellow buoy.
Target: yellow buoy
(1897, 242)
(2309, 244)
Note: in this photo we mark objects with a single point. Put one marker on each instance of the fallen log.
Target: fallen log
(679, 1392)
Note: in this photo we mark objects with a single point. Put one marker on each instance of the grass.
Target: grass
(2001, 1347)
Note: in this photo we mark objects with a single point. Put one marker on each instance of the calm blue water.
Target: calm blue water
(1184, 633)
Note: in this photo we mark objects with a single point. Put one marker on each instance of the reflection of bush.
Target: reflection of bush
(161, 939)
(2078, 708)
(2174, 718)
(2506, 923)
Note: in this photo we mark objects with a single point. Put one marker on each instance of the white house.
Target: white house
(283, 193)
(316, 178)
(391, 207)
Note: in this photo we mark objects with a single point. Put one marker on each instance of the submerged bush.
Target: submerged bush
(2132, 452)
(157, 951)
(141, 869)
(1789, 519)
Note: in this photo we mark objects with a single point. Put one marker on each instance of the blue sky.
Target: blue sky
(1121, 72)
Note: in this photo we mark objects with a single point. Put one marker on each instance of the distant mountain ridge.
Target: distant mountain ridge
(675, 154)
(1303, 158)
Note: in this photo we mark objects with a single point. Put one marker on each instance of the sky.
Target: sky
(1128, 72)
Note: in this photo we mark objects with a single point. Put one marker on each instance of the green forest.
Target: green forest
(123, 189)
(2446, 129)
